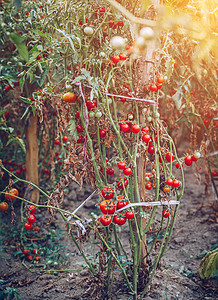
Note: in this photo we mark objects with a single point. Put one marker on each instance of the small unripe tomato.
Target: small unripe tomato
(88, 30)
(147, 33)
(117, 42)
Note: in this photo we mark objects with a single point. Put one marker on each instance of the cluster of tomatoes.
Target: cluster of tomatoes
(19, 169)
(31, 219)
(33, 256)
(157, 86)
(109, 208)
(10, 196)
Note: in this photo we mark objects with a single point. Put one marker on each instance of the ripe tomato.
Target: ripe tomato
(148, 185)
(26, 251)
(122, 201)
(119, 219)
(31, 219)
(37, 229)
(35, 251)
(27, 226)
(151, 149)
(123, 56)
(77, 115)
(37, 258)
(124, 127)
(29, 257)
(188, 160)
(57, 142)
(130, 116)
(12, 194)
(102, 133)
(160, 79)
(79, 140)
(121, 165)
(69, 97)
(3, 206)
(169, 181)
(105, 220)
(107, 192)
(146, 138)
(79, 128)
(145, 129)
(194, 158)
(110, 171)
(115, 59)
(65, 138)
(127, 171)
(120, 182)
(135, 128)
(32, 209)
(129, 215)
(206, 123)
(91, 105)
(153, 87)
(165, 213)
(169, 157)
(166, 189)
(176, 183)
(177, 165)
(120, 23)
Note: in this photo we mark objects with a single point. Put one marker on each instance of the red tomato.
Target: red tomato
(110, 171)
(148, 185)
(124, 127)
(115, 59)
(120, 23)
(160, 79)
(151, 149)
(169, 157)
(146, 138)
(29, 257)
(166, 189)
(122, 201)
(31, 219)
(130, 116)
(121, 165)
(206, 123)
(166, 213)
(159, 86)
(26, 251)
(153, 87)
(135, 128)
(188, 160)
(91, 105)
(129, 215)
(169, 181)
(80, 140)
(102, 133)
(145, 129)
(177, 165)
(176, 183)
(120, 182)
(37, 229)
(105, 220)
(12, 194)
(79, 128)
(32, 209)
(57, 142)
(111, 24)
(127, 171)
(35, 251)
(194, 158)
(65, 138)
(123, 56)
(77, 115)
(27, 226)
(107, 192)
(119, 219)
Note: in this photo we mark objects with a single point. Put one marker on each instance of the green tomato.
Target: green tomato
(91, 114)
(98, 114)
(149, 119)
(88, 30)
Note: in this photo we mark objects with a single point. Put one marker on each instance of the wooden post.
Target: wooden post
(32, 151)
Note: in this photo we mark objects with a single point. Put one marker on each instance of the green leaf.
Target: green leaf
(177, 98)
(209, 265)
(20, 45)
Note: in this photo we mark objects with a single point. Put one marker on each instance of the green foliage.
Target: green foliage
(209, 265)
(7, 292)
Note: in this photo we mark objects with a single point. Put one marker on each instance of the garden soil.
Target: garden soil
(176, 278)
